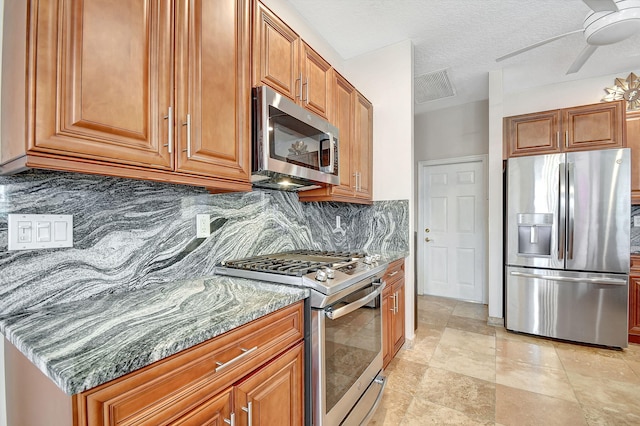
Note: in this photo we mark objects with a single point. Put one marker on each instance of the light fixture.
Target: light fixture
(628, 89)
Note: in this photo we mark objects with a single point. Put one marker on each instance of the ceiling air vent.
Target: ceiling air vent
(432, 86)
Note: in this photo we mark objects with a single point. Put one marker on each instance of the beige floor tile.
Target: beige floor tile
(471, 310)
(596, 362)
(472, 325)
(422, 412)
(392, 408)
(473, 397)
(503, 333)
(518, 407)
(469, 341)
(631, 353)
(534, 378)
(606, 402)
(404, 376)
(530, 353)
(433, 320)
(434, 303)
(465, 361)
(421, 349)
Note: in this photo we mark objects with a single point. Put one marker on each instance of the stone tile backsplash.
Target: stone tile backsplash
(129, 233)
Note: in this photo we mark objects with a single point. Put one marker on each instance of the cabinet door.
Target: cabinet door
(633, 142)
(593, 126)
(213, 88)
(398, 318)
(387, 326)
(211, 413)
(532, 134)
(274, 394)
(342, 113)
(316, 82)
(275, 53)
(363, 144)
(103, 80)
(634, 309)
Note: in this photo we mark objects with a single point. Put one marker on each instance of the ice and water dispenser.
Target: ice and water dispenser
(534, 234)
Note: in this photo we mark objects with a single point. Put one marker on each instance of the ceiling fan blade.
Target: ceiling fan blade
(582, 58)
(602, 5)
(540, 43)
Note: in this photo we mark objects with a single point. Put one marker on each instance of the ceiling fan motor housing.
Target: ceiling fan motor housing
(608, 27)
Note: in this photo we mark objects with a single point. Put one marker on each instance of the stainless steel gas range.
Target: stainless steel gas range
(346, 325)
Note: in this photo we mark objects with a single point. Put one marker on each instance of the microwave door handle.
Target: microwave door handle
(347, 309)
(321, 150)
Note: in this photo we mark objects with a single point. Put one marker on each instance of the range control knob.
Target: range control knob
(331, 273)
(321, 275)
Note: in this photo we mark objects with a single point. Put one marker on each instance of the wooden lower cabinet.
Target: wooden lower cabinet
(258, 366)
(634, 300)
(393, 312)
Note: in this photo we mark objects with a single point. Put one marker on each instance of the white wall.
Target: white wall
(457, 131)
(385, 77)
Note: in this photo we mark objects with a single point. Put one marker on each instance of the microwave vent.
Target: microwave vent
(432, 86)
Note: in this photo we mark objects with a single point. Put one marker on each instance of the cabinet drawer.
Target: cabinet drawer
(170, 388)
(394, 272)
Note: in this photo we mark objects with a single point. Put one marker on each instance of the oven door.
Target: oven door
(347, 355)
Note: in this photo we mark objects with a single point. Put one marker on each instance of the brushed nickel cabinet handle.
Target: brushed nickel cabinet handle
(249, 414)
(169, 118)
(188, 124)
(245, 352)
(232, 420)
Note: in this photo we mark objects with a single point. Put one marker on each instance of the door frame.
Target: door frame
(422, 167)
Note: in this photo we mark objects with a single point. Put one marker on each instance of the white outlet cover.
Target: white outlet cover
(636, 221)
(203, 225)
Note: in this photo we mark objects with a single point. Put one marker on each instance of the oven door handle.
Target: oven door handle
(347, 309)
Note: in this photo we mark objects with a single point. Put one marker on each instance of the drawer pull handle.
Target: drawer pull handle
(244, 353)
(232, 421)
(393, 273)
(249, 414)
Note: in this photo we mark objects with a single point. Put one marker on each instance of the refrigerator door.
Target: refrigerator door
(582, 307)
(598, 210)
(535, 218)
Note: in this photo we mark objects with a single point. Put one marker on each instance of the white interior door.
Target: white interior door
(452, 234)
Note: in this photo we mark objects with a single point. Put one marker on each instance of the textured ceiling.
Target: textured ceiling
(465, 37)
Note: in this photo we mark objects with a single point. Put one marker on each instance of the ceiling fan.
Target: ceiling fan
(608, 22)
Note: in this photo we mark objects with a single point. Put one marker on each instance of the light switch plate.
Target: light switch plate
(40, 231)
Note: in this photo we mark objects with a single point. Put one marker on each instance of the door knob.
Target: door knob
(428, 239)
(427, 230)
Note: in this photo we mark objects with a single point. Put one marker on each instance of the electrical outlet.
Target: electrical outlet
(203, 225)
(636, 221)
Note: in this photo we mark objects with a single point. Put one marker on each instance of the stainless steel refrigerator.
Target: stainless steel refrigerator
(567, 245)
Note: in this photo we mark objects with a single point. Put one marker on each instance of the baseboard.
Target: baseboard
(495, 322)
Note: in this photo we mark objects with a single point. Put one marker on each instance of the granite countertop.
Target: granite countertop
(86, 343)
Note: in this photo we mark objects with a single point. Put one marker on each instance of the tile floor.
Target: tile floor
(459, 370)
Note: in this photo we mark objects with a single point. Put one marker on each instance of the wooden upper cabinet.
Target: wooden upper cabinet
(316, 81)
(597, 126)
(532, 133)
(633, 142)
(213, 107)
(287, 64)
(150, 89)
(103, 79)
(275, 53)
(352, 114)
(363, 147)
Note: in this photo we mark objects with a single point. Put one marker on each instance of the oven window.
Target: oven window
(295, 142)
(352, 343)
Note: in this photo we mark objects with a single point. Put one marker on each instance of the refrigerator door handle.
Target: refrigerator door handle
(562, 190)
(609, 281)
(571, 188)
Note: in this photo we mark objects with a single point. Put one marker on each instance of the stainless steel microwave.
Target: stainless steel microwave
(293, 149)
